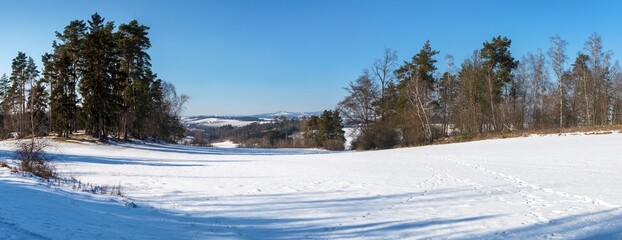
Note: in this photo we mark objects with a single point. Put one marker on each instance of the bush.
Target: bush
(333, 145)
(379, 136)
(33, 158)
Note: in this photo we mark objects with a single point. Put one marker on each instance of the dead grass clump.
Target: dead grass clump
(97, 189)
(33, 158)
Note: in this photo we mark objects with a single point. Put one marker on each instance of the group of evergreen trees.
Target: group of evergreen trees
(97, 78)
(325, 131)
(491, 91)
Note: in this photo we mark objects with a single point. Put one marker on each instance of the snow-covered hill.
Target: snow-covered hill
(217, 121)
(539, 187)
(269, 116)
(240, 121)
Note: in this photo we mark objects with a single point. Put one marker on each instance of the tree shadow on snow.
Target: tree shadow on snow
(606, 224)
(67, 158)
(173, 148)
(41, 211)
(265, 216)
(37, 210)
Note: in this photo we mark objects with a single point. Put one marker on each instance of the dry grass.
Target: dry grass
(93, 188)
(592, 130)
(333, 145)
(33, 158)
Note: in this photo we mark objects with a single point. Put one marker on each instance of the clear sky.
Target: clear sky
(243, 57)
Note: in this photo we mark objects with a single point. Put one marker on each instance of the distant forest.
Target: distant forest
(97, 78)
(404, 104)
(324, 131)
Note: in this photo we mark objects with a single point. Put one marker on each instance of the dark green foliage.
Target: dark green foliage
(23, 77)
(426, 64)
(63, 70)
(325, 131)
(99, 80)
(5, 86)
(389, 104)
(137, 76)
(38, 103)
(100, 87)
(499, 63)
(120, 96)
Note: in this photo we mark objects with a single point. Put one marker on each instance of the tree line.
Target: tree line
(97, 78)
(412, 103)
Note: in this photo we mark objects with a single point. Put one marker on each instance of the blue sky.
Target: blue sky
(243, 57)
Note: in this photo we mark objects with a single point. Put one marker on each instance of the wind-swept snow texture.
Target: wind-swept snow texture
(539, 187)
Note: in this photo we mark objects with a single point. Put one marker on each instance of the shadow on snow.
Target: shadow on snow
(42, 212)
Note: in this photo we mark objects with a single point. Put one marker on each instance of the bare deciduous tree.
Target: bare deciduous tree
(358, 106)
(383, 71)
(557, 55)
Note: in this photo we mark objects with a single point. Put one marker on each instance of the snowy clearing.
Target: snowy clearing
(538, 187)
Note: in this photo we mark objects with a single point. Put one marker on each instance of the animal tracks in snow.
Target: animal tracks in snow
(541, 204)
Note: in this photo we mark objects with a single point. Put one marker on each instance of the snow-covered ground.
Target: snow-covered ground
(225, 144)
(538, 187)
(350, 134)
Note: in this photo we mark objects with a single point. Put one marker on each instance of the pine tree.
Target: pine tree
(336, 124)
(23, 76)
(416, 91)
(311, 128)
(326, 130)
(63, 70)
(135, 65)
(100, 86)
(37, 101)
(498, 65)
(5, 86)
(57, 72)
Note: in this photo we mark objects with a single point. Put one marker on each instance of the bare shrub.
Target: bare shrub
(379, 136)
(4, 165)
(333, 145)
(33, 158)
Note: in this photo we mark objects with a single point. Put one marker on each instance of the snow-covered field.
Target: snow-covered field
(539, 187)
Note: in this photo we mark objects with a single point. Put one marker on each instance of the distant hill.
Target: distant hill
(239, 121)
(285, 114)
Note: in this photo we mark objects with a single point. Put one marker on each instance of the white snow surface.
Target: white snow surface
(225, 144)
(537, 187)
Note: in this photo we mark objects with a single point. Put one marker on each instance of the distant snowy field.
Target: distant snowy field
(216, 122)
(538, 187)
(241, 121)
